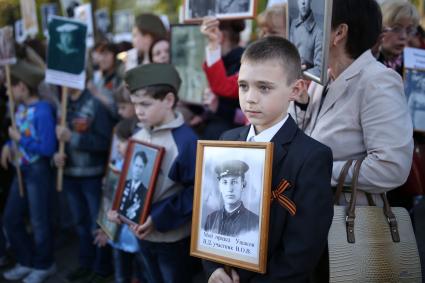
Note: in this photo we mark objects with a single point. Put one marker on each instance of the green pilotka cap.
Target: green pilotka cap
(151, 75)
(231, 168)
(32, 75)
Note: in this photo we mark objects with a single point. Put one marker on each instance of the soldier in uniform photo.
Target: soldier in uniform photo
(233, 218)
(306, 35)
(134, 191)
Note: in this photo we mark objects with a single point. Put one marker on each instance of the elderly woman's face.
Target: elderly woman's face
(397, 36)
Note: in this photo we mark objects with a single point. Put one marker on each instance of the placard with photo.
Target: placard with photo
(66, 54)
(7, 46)
(308, 28)
(195, 10)
(47, 11)
(188, 55)
(29, 17)
(415, 95)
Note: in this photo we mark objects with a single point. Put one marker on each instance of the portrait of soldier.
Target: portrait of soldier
(233, 218)
(135, 192)
(306, 35)
(66, 41)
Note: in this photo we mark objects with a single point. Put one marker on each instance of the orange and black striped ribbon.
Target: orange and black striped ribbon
(283, 200)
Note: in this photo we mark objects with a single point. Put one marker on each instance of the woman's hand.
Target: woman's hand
(210, 28)
(113, 216)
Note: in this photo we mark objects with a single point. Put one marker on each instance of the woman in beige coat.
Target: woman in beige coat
(362, 112)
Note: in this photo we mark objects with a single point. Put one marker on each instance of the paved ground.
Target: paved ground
(66, 260)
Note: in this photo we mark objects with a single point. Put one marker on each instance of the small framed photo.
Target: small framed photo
(137, 181)
(231, 206)
(308, 28)
(415, 95)
(110, 185)
(7, 46)
(195, 10)
(188, 55)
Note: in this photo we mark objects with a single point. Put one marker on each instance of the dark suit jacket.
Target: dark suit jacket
(129, 199)
(232, 224)
(295, 242)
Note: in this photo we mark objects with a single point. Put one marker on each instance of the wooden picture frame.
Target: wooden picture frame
(312, 42)
(239, 240)
(137, 181)
(187, 52)
(109, 189)
(195, 10)
(414, 83)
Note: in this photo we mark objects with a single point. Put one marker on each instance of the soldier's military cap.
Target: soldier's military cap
(28, 73)
(231, 168)
(151, 75)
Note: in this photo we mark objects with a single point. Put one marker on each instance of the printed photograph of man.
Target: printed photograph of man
(135, 192)
(67, 44)
(232, 6)
(7, 46)
(232, 219)
(306, 34)
(416, 100)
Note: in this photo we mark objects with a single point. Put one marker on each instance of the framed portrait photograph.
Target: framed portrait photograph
(103, 22)
(20, 35)
(68, 7)
(109, 188)
(415, 95)
(195, 10)
(231, 204)
(123, 25)
(308, 28)
(188, 55)
(83, 13)
(137, 181)
(7, 46)
(66, 53)
(47, 11)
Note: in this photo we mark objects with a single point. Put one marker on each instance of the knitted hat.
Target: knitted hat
(28, 73)
(151, 75)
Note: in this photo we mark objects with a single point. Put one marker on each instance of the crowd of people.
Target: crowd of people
(255, 93)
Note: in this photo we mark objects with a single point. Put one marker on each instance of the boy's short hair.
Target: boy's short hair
(159, 92)
(276, 49)
(122, 95)
(125, 128)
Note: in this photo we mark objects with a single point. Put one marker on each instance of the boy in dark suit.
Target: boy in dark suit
(268, 79)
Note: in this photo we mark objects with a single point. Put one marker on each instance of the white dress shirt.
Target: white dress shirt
(267, 134)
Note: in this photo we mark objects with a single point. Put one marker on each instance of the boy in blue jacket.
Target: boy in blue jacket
(36, 143)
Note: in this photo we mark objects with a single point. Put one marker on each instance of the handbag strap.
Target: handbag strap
(392, 221)
(351, 215)
(341, 180)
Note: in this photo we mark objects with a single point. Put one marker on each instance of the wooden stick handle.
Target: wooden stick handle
(64, 104)
(12, 118)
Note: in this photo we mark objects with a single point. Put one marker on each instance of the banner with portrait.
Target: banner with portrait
(66, 54)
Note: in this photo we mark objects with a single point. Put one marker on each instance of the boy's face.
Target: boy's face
(126, 110)
(263, 93)
(149, 111)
